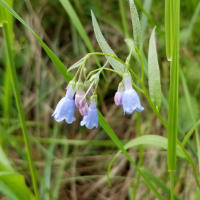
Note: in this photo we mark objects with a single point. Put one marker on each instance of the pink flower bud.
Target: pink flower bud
(118, 98)
(81, 103)
(84, 110)
(79, 99)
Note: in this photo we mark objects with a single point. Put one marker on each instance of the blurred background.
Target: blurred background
(72, 161)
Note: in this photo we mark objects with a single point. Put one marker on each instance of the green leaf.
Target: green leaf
(4, 162)
(154, 72)
(137, 32)
(197, 196)
(77, 64)
(153, 140)
(13, 186)
(147, 5)
(105, 47)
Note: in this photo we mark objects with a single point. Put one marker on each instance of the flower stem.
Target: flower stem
(172, 41)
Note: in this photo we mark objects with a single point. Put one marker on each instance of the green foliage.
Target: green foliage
(137, 32)
(14, 187)
(105, 47)
(12, 184)
(69, 158)
(154, 72)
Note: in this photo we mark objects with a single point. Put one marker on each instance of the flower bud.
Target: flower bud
(118, 98)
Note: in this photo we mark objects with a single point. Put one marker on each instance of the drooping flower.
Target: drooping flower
(66, 107)
(81, 103)
(130, 98)
(118, 95)
(91, 119)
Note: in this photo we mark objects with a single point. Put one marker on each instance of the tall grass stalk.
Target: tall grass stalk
(172, 21)
(7, 92)
(16, 91)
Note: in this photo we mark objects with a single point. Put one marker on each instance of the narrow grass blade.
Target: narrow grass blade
(105, 47)
(16, 91)
(137, 32)
(186, 34)
(154, 72)
(191, 111)
(189, 134)
(77, 23)
(60, 173)
(168, 28)
(7, 91)
(59, 65)
(123, 17)
(46, 183)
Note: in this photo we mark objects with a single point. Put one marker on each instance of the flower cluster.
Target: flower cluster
(66, 107)
(75, 96)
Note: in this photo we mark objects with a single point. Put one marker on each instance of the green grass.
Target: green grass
(127, 156)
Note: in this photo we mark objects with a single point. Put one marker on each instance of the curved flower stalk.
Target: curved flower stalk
(91, 119)
(66, 106)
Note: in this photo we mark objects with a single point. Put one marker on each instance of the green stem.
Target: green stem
(173, 37)
(104, 54)
(16, 91)
(171, 185)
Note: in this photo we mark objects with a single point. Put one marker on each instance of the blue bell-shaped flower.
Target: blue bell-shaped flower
(66, 107)
(130, 98)
(91, 119)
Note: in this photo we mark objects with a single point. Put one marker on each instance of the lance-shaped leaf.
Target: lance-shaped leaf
(137, 32)
(105, 47)
(77, 64)
(154, 72)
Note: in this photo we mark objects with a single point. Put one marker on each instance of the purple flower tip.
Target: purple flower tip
(131, 101)
(91, 119)
(118, 98)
